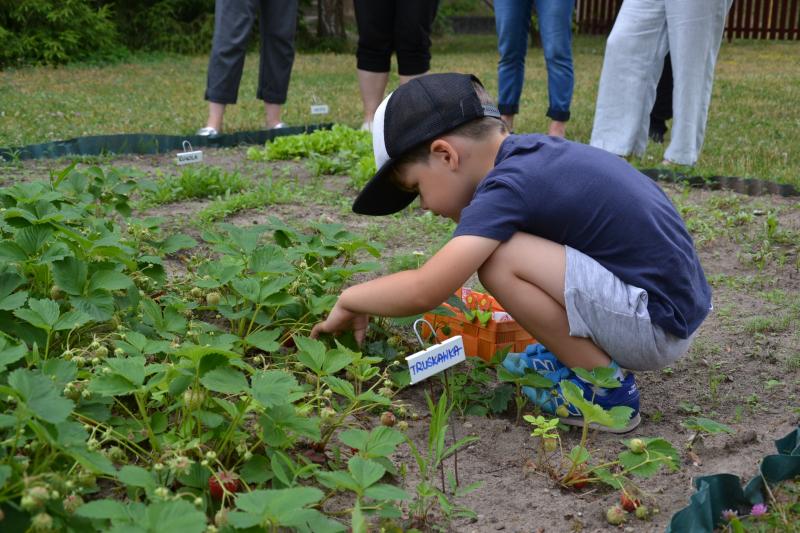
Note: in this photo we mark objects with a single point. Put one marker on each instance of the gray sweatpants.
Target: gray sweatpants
(644, 31)
(233, 21)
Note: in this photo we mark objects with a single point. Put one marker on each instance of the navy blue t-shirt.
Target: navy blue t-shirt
(594, 202)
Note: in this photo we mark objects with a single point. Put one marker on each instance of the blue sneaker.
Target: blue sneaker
(626, 395)
(537, 357)
(542, 359)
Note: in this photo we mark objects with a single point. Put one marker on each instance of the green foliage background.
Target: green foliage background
(53, 32)
(62, 31)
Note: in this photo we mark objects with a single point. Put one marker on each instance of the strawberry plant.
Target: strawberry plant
(177, 395)
(575, 468)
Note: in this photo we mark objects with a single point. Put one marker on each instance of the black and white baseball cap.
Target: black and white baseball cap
(418, 111)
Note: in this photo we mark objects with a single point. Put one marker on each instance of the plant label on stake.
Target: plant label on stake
(317, 107)
(430, 361)
(435, 359)
(189, 156)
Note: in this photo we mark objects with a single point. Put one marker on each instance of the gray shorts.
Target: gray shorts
(614, 315)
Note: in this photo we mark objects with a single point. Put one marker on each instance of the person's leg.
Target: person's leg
(662, 108)
(413, 22)
(233, 21)
(375, 22)
(555, 29)
(695, 32)
(512, 22)
(278, 19)
(633, 58)
(527, 275)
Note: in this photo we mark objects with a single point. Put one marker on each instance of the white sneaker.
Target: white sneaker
(279, 125)
(207, 132)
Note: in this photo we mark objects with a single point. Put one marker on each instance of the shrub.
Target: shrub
(178, 26)
(55, 31)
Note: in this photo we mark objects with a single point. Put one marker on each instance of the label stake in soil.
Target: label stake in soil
(430, 361)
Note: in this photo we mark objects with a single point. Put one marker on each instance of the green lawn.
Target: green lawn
(752, 126)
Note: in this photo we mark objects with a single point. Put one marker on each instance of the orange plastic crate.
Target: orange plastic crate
(480, 341)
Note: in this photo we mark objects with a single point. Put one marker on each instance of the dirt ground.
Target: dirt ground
(743, 369)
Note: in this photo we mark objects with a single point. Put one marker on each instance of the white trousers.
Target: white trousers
(643, 33)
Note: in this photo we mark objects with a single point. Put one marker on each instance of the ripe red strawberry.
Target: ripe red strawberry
(577, 480)
(229, 480)
(628, 503)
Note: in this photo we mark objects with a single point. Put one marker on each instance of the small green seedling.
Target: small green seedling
(529, 379)
(703, 426)
(547, 432)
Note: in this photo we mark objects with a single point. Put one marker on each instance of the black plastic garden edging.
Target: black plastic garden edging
(751, 186)
(147, 143)
(724, 491)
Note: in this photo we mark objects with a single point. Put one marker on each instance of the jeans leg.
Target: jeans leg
(513, 21)
(233, 20)
(695, 32)
(277, 23)
(633, 60)
(555, 29)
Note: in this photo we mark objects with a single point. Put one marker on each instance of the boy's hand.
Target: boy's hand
(341, 319)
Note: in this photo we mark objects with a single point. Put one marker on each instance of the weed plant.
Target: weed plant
(193, 183)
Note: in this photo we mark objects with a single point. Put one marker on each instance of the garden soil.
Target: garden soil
(743, 369)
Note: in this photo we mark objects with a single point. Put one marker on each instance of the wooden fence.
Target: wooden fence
(748, 19)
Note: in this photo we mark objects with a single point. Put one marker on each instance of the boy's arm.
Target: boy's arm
(412, 291)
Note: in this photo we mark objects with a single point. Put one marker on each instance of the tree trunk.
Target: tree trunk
(330, 19)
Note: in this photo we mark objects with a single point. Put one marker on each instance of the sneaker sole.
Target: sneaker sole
(578, 422)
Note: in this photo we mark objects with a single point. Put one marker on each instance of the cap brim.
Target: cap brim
(380, 196)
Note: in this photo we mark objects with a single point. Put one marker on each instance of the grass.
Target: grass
(751, 130)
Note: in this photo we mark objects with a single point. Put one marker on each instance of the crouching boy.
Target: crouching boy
(586, 253)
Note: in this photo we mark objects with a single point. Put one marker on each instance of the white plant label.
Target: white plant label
(187, 158)
(320, 109)
(435, 359)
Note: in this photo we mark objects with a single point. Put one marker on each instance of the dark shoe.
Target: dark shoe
(657, 131)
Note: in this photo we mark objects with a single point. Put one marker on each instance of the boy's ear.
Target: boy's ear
(445, 153)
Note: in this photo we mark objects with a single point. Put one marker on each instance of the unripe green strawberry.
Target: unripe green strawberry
(616, 515)
(72, 502)
(101, 351)
(562, 411)
(193, 398)
(42, 522)
(116, 454)
(56, 293)
(326, 413)
(39, 494)
(402, 425)
(221, 518)
(637, 445)
(196, 292)
(28, 503)
(213, 298)
(642, 512)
